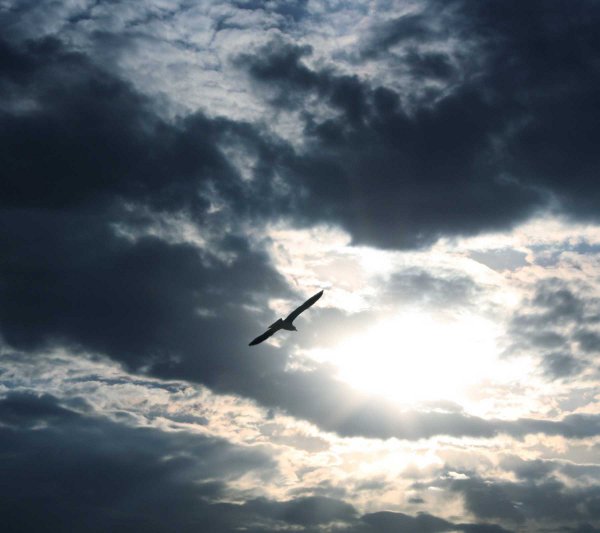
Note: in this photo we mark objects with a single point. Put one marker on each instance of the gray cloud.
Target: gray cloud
(561, 365)
(384, 522)
(305, 511)
(84, 286)
(556, 325)
(440, 140)
(528, 470)
(465, 162)
(589, 341)
(442, 169)
(66, 471)
(547, 495)
(416, 286)
(547, 501)
(373, 136)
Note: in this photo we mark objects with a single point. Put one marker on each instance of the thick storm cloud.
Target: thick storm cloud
(89, 145)
(482, 155)
(175, 175)
(92, 145)
(64, 471)
(390, 178)
(546, 500)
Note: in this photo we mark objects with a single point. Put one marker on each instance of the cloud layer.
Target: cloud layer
(173, 175)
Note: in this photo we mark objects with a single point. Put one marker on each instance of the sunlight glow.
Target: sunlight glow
(418, 357)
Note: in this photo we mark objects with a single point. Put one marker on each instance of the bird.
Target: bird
(287, 323)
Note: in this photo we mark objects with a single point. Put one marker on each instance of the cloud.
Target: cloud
(556, 324)
(413, 163)
(305, 511)
(88, 147)
(589, 341)
(133, 206)
(86, 286)
(409, 26)
(528, 470)
(73, 135)
(547, 500)
(66, 470)
(476, 157)
(385, 522)
(560, 365)
(415, 285)
(139, 300)
(136, 302)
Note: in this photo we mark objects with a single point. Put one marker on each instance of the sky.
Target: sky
(175, 175)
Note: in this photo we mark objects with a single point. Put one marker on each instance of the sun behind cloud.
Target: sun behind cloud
(415, 357)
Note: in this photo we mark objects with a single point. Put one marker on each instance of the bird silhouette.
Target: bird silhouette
(287, 323)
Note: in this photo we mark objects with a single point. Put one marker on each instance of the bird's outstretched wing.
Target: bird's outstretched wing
(263, 337)
(294, 314)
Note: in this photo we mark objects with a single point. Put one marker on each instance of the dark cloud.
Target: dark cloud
(483, 528)
(290, 12)
(548, 500)
(549, 326)
(376, 167)
(67, 278)
(578, 426)
(479, 157)
(504, 121)
(589, 341)
(529, 470)
(561, 365)
(84, 286)
(429, 65)
(88, 137)
(305, 511)
(384, 522)
(75, 136)
(362, 416)
(413, 27)
(583, 528)
(483, 156)
(551, 76)
(377, 419)
(63, 471)
(542, 498)
(25, 411)
(551, 48)
(557, 303)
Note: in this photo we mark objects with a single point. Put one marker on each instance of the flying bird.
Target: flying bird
(287, 323)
